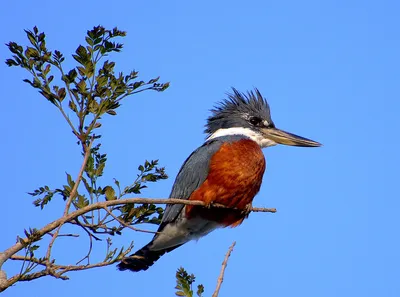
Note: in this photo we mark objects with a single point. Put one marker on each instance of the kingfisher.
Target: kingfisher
(227, 169)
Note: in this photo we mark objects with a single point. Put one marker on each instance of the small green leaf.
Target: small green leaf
(11, 62)
(111, 112)
(200, 290)
(151, 81)
(72, 106)
(109, 192)
(61, 94)
(31, 52)
(71, 183)
(31, 37)
(82, 84)
(46, 70)
(82, 56)
(34, 247)
(89, 41)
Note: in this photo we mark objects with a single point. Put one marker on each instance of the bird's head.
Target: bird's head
(249, 115)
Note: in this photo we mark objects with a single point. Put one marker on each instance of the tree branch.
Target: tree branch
(101, 205)
(71, 197)
(57, 271)
(79, 178)
(4, 256)
(221, 274)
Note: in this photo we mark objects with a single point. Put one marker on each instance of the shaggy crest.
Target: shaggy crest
(237, 109)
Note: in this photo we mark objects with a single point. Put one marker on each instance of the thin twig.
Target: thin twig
(221, 274)
(79, 177)
(33, 260)
(72, 98)
(83, 226)
(134, 92)
(64, 235)
(262, 209)
(127, 225)
(23, 263)
(89, 251)
(57, 271)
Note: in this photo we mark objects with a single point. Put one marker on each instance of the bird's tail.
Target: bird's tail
(143, 258)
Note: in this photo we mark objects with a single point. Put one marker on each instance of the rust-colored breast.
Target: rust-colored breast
(235, 177)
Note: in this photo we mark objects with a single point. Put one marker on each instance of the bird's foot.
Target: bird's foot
(209, 205)
(247, 209)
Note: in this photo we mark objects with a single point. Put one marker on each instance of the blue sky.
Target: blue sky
(330, 70)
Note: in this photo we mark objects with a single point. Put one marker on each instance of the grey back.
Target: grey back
(192, 174)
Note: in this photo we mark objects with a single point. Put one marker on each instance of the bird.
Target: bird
(227, 169)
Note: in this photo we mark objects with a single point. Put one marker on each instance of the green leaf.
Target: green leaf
(58, 57)
(61, 94)
(71, 183)
(46, 70)
(184, 283)
(89, 41)
(111, 112)
(81, 85)
(109, 192)
(72, 106)
(11, 62)
(81, 201)
(81, 70)
(31, 37)
(89, 69)
(33, 248)
(31, 52)
(200, 290)
(101, 81)
(151, 81)
(70, 77)
(82, 56)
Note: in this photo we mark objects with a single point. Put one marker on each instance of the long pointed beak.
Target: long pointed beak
(282, 137)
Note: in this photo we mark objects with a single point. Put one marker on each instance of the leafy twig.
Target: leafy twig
(125, 224)
(71, 197)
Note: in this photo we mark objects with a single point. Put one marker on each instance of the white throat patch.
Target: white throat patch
(253, 135)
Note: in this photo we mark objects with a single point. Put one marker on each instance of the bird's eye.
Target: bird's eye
(255, 121)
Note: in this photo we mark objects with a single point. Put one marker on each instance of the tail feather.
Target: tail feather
(143, 258)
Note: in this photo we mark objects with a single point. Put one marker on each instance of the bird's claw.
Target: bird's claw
(247, 209)
(209, 205)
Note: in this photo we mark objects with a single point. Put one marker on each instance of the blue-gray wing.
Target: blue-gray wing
(192, 174)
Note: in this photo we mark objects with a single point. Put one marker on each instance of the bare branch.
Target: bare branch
(33, 260)
(57, 271)
(89, 251)
(221, 274)
(64, 235)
